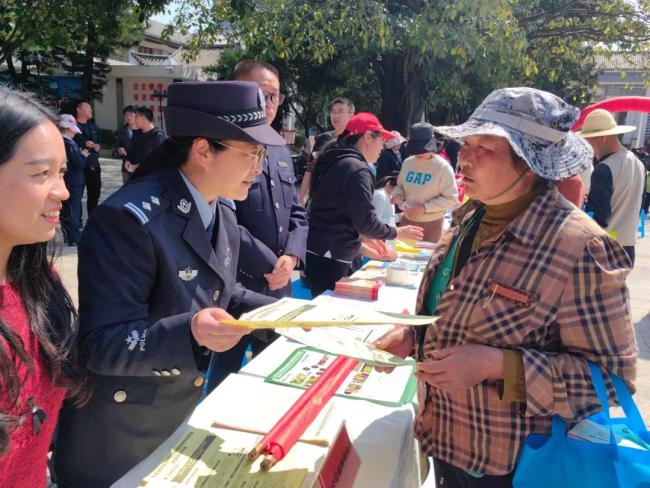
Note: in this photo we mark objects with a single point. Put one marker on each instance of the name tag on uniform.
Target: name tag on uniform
(282, 164)
(188, 274)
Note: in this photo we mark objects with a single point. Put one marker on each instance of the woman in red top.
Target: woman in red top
(38, 323)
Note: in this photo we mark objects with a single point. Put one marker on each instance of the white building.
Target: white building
(625, 75)
(140, 75)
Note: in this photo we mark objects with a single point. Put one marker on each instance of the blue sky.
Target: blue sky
(166, 17)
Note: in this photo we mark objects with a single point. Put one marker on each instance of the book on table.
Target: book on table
(358, 288)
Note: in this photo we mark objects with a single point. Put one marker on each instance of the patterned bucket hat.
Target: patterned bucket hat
(537, 124)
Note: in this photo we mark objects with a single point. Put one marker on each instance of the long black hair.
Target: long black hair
(51, 313)
(172, 153)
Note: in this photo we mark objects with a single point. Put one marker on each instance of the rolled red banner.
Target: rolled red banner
(282, 440)
(289, 415)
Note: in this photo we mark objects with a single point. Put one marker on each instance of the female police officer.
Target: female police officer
(157, 266)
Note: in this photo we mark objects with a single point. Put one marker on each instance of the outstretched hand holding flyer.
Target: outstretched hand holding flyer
(291, 312)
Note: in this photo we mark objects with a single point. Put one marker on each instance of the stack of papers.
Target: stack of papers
(358, 288)
(401, 246)
(430, 246)
(379, 271)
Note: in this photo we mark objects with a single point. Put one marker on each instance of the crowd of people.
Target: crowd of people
(209, 224)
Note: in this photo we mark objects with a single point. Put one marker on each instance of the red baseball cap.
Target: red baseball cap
(365, 122)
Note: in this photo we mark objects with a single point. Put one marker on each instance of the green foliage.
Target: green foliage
(99, 28)
(419, 55)
(310, 88)
(77, 34)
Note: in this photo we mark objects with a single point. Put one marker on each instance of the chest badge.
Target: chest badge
(282, 164)
(188, 274)
(184, 206)
(228, 259)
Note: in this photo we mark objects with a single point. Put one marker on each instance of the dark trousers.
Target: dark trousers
(71, 215)
(93, 187)
(448, 476)
(323, 273)
(224, 363)
(631, 253)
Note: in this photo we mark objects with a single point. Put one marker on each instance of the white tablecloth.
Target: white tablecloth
(381, 435)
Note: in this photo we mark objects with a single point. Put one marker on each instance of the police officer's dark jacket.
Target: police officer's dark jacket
(341, 209)
(146, 265)
(74, 175)
(274, 218)
(143, 143)
(89, 132)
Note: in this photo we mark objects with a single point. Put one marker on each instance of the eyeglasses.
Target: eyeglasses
(258, 157)
(274, 97)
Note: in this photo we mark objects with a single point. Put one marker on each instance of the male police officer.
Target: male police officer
(273, 216)
(271, 200)
(157, 268)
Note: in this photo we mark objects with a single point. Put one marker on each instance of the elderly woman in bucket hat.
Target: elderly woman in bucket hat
(157, 269)
(527, 289)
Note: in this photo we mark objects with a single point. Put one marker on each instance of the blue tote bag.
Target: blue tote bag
(557, 460)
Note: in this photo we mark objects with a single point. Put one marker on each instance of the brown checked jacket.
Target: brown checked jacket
(552, 286)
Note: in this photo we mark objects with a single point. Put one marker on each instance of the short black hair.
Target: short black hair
(77, 103)
(247, 66)
(145, 112)
(128, 108)
(345, 101)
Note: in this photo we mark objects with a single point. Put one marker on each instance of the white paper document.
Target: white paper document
(341, 342)
(291, 312)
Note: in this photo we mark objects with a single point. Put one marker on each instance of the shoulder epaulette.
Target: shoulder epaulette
(144, 210)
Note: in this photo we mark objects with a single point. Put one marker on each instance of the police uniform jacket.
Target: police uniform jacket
(275, 220)
(146, 265)
(89, 132)
(74, 176)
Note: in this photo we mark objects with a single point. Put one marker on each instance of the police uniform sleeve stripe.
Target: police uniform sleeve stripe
(139, 214)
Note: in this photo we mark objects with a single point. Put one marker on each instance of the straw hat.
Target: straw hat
(601, 123)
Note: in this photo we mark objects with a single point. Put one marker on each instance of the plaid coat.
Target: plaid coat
(552, 286)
